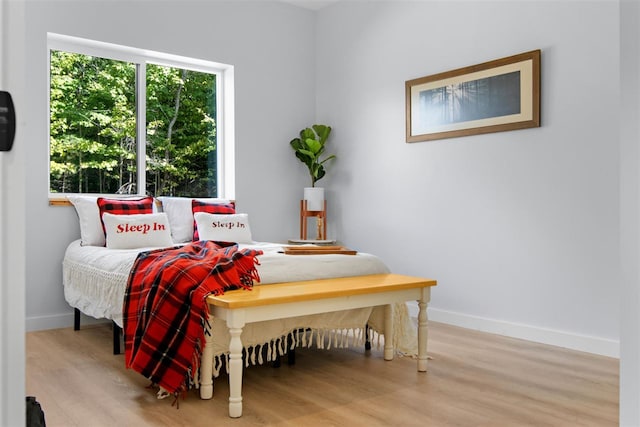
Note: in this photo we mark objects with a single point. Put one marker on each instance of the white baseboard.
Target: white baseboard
(57, 321)
(589, 344)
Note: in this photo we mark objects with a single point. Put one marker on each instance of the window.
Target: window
(131, 121)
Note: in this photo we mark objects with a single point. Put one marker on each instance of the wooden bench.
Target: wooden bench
(282, 300)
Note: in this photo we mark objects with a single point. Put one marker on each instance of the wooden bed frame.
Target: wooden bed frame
(283, 300)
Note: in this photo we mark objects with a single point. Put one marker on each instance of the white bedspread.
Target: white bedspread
(95, 280)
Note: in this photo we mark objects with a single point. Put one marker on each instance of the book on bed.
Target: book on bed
(318, 250)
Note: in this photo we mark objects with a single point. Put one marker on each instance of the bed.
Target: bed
(95, 279)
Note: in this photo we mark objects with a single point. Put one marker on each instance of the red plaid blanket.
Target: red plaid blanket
(164, 306)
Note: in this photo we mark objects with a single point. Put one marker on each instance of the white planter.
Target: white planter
(315, 198)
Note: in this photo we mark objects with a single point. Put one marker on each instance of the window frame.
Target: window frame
(225, 128)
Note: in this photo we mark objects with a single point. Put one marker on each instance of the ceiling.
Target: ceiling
(311, 4)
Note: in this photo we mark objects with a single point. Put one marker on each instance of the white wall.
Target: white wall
(271, 46)
(630, 213)
(520, 228)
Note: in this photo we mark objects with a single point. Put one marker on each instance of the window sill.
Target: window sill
(59, 201)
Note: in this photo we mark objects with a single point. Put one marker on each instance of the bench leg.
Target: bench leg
(235, 323)
(235, 372)
(388, 332)
(422, 335)
(206, 369)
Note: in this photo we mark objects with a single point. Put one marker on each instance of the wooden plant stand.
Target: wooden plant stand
(321, 221)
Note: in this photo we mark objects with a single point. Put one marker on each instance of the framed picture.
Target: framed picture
(490, 97)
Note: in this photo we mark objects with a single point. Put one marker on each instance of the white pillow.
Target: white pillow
(178, 209)
(91, 233)
(223, 227)
(137, 231)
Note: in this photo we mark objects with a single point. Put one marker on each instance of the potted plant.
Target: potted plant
(309, 148)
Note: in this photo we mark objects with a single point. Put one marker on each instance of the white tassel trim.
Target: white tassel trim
(323, 339)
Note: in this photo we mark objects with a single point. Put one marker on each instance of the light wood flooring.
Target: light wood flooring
(474, 379)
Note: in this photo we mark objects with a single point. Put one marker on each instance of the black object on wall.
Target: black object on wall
(7, 121)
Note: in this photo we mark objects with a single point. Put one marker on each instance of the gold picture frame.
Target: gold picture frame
(494, 96)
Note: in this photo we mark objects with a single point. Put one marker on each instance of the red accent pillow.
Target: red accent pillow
(213, 208)
(124, 207)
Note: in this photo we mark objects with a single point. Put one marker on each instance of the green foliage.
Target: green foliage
(181, 132)
(93, 128)
(309, 147)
